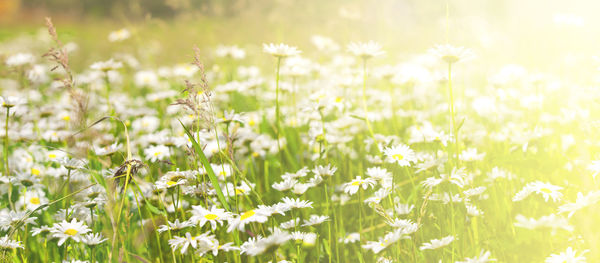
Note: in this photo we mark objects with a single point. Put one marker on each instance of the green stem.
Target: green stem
(6, 142)
(454, 129)
(7, 171)
(364, 100)
(277, 122)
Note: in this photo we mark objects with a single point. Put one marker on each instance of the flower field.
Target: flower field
(268, 151)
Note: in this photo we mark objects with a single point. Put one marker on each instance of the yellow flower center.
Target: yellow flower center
(71, 232)
(52, 156)
(239, 191)
(251, 122)
(211, 216)
(398, 157)
(34, 200)
(357, 183)
(157, 153)
(338, 99)
(247, 215)
(66, 118)
(171, 183)
(35, 171)
(546, 190)
(255, 154)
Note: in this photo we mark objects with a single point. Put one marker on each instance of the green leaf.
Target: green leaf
(207, 167)
(154, 209)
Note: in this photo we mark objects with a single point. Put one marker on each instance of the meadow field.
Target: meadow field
(342, 131)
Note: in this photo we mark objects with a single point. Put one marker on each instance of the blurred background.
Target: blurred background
(543, 35)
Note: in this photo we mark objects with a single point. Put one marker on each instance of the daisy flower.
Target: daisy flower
(350, 238)
(451, 54)
(183, 242)
(569, 255)
(594, 167)
(157, 153)
(315, 220)
(69, 230)
(259, 215)
(400, 154)
(106, 66)
(324, 171)
(93, 239)
(214, 216)
(296, 203)
(280, 50)
(365, 50)
(8, 244)
(582, 201)
(484, 257)
(119, 35)
(174, 226)
(32, 199)
(353, 186)
(20, 59)
(256, 247)
(437, 243)
(170, 180)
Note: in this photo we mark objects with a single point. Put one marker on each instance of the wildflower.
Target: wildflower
(402, 209)
(10, 218)
(582, 201)
(569, 255)
(119, 35)
(107, 150)
(470, 155)
(353, 186)
(69, 230)
(484, 257)
(230, 51)
(291, 223)
(324, 171)
(43, 230)
(550, 221)
(106, 66)
(157, 153)
(547, 191)
(437, 243)
(594, 167)
(214, 216)
(286, 184)
(451, 54)
(365, 50)
(384, 242)
(11, 101)
(32, 199)
(260, 245)
(146, 78)
(400, 154)
(93, 239)
(71, 163)
(174, 226)
(350, 238)
(315, 220)
(170, 180)
(254, 215)
(20, 59)
(280, 50)
(183, 242)
(307, 239)
(296, 203)
(8, 244)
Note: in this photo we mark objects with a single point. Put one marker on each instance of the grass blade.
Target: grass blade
(207, 167)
